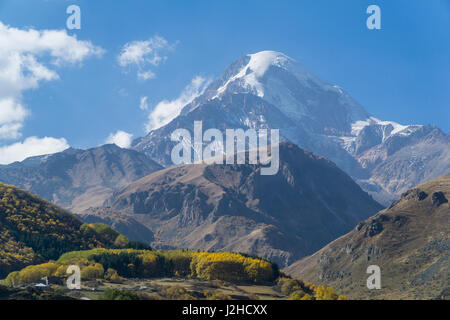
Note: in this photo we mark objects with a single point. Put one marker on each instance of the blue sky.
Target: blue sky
(398, 73)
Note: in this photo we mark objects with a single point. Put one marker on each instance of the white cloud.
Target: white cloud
(120, 138)
(12, 115)
(26, 57)
(143, 105)
(165, 111)
(32, 146)
(20, 50)
(137, 52)
(146, 75)
(144, 54)
(10, 130)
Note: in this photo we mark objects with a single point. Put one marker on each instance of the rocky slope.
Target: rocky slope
(79, 179)
(233, 207)
(408, 241)
(401, 162)
(270, 90)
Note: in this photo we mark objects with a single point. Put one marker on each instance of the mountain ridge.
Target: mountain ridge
(307, 203)
(270, 90)
(78, 179)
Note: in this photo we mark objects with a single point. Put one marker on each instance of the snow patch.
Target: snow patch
(398, 129)
(259, 63)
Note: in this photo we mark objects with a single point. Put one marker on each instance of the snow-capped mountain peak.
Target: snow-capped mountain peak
(271, 90)
(287, 85)
(250, 75)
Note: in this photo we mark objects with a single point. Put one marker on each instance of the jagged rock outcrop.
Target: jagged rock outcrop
(438, 198)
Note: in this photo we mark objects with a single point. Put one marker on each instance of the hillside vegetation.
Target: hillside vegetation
(118, 271)
(133, 263)
(33, 230)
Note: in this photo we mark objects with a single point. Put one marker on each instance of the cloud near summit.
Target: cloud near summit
(166, 110)
(120, 138)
